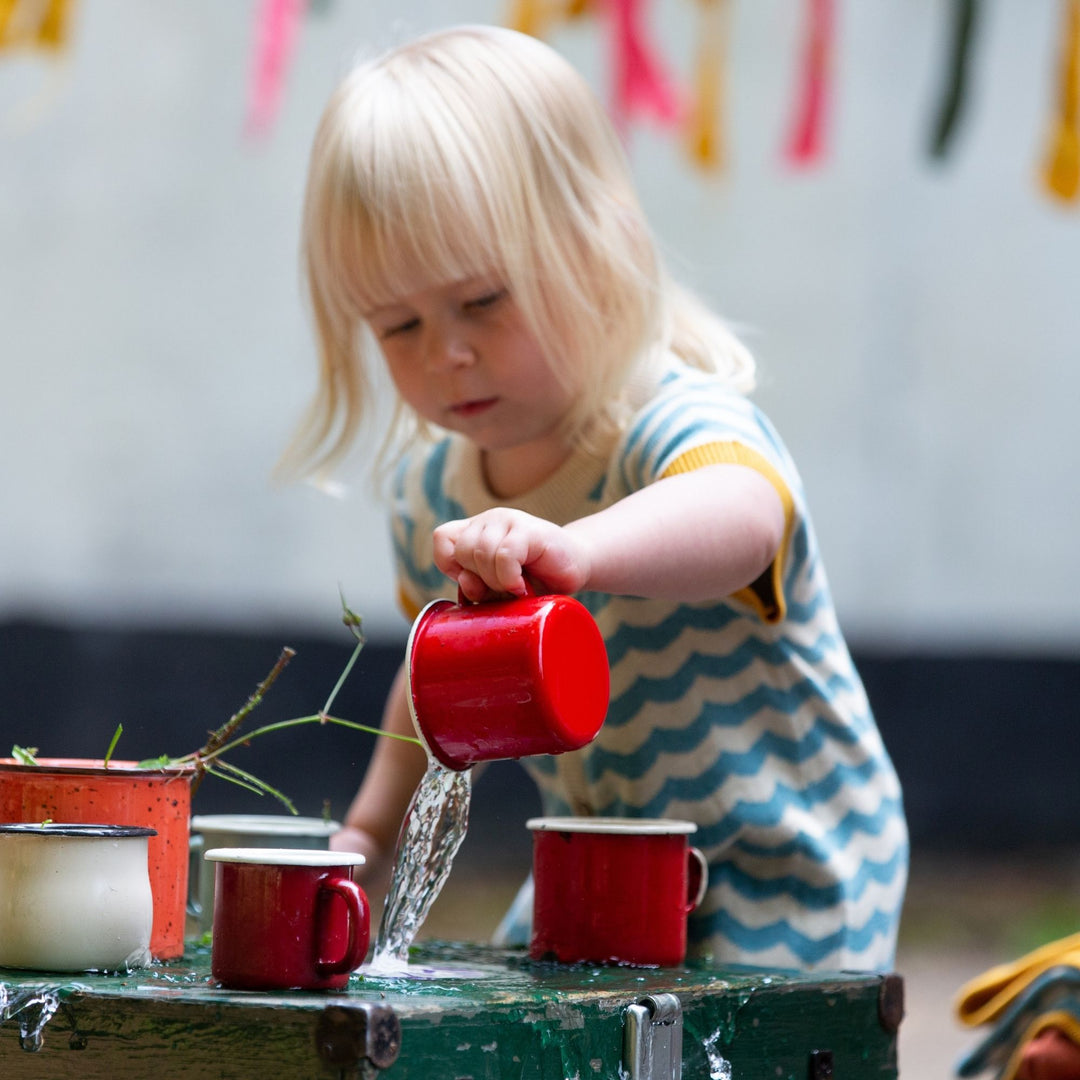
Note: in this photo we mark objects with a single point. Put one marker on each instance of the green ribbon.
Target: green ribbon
(965, 15)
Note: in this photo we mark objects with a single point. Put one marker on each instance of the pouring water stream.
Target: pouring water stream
(431, 834)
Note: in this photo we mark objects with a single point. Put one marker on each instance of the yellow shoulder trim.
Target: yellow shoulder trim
(766, 594)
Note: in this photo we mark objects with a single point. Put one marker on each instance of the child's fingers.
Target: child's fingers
(495, 551)
(474, 553)
(472, 586)
(444, 542)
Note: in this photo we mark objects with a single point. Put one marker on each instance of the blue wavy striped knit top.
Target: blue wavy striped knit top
(745, 716)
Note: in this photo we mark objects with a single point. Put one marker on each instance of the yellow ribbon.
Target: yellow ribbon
(704, 121)
(1061, 171)
(40, 24)
(533, 17)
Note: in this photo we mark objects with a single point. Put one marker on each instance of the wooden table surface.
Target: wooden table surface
(481, 1012)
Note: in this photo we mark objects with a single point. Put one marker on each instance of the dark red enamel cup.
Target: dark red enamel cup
(614, 890)
(287, 918)
(506, 678)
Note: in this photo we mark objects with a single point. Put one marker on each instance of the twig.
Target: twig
(224, 733)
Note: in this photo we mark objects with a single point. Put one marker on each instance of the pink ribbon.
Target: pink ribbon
(641, 82)
(806, 138)
(277, 28)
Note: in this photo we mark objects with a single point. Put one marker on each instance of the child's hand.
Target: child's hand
(492, 553)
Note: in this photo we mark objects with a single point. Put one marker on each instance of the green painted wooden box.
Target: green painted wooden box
(481, 1013)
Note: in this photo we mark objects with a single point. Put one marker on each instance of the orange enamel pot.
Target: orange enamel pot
(82, 791)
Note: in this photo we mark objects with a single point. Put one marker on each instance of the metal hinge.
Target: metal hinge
(652, 1038)
(364, 1037)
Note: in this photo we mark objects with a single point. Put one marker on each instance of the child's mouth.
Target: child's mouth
(473, 408)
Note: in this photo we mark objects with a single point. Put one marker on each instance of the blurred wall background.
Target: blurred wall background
(915, 319)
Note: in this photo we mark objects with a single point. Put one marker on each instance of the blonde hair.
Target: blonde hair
(472, 151)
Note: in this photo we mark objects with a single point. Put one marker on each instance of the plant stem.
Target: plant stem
(342, 677)
(316, 718)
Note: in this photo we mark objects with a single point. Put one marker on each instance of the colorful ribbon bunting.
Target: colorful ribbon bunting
(705, 119)
(642, 85)
(1061, 171)
(806, 136)
(277, 29)
(965, 15)
(34, 24)
(534, 17)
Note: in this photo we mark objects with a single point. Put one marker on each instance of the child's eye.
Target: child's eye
(487, 300)
(399, 328)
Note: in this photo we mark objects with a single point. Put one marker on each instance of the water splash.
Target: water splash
(719, 1066)
(430, 837)
(34, 1006)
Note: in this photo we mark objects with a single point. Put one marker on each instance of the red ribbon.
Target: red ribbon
(641, 82)
(806, 139)
(278, 26)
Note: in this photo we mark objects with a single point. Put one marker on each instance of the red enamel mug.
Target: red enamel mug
(614, 890)
(287, 918)
(506, 678)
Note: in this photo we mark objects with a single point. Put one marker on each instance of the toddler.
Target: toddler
(569, 415)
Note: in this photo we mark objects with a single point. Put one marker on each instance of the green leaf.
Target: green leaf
(24, 755)
(112, 745)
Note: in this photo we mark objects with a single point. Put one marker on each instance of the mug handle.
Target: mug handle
(697, 879)
(195, 846)
(359, 919)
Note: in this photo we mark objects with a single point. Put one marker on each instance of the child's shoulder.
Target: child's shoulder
(675, 377)
(687, 409)
(683, 397)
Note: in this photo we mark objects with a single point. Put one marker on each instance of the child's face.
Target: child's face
(461, 356)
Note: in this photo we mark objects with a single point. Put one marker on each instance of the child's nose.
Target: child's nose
(449, 349)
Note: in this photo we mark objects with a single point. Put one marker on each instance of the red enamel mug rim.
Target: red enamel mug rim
(627, 826)
(420, 619)
(285, 857)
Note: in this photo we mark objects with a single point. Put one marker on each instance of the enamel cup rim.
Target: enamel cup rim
(285, 857)
(264, 824)
(74, 830)
(613, 826)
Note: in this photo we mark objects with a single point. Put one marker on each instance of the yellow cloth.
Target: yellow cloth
(986, 996)
(1063, 1021)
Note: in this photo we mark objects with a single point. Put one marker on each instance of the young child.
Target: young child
(569, 415)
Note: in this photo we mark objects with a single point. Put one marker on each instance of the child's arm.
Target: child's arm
(374, 818)
(695, 536)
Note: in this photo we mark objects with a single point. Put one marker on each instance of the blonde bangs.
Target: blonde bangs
(400, 205)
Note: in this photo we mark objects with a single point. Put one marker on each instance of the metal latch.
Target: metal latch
(652, 1038)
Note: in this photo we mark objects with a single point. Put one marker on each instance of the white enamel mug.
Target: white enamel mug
(75, 897)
